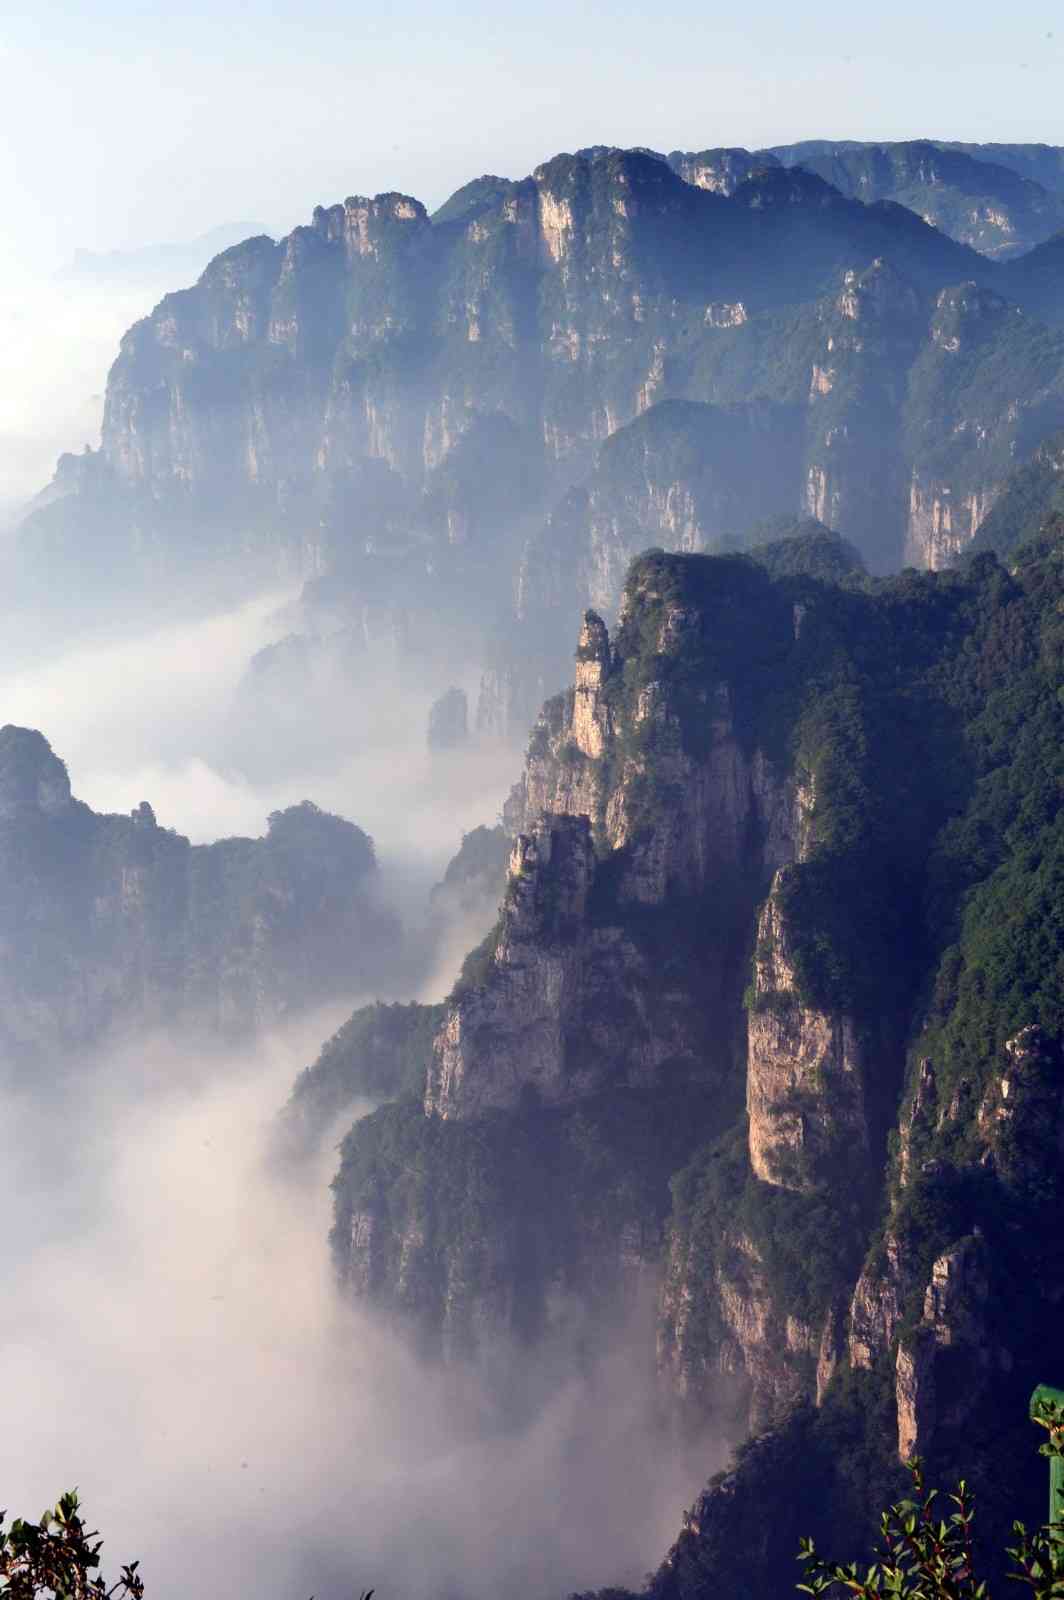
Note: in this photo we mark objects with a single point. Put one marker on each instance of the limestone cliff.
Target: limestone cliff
(805, 1091)
(399, 408)
(772, 996)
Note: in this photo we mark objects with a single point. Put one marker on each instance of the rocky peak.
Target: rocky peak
(721, 171)
(360, 223)
(591, 725)
(967, 312)
(32, 777)
(876, 293)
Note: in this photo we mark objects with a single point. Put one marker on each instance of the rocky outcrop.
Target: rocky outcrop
(954, 1321)
(563, 1003)
(721, 171)
(805, 1089)
(939, 530)
(111, 922)
(879, 1301)
(758, 1361)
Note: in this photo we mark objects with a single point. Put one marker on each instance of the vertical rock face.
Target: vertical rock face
(879, 1301)
(939, 527)
(727, 800)
(591, 726)
(761, 1358)
(953, 1324)
(855, 475)
(731, 798)
(565, 999)
(805, 1091)
(508, 1038)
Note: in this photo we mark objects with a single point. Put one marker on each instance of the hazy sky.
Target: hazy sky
(125, 122)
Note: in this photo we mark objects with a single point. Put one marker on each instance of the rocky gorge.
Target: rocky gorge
(735, 479)
(751, 1029)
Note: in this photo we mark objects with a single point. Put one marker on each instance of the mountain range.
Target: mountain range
(738, 476)
(422, 416)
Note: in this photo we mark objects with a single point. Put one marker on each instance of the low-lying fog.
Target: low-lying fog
(172, 1343)
(171, 1340)
(170, 1337)
(59, 338)
(157, 717)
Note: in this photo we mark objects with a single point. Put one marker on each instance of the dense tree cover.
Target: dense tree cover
(924, 714)
(380, 1053)
(792, 547)
(932, 720)
(1031, 494)
(520, 1206)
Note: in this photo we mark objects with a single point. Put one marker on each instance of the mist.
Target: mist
(158, 715)
(60, 336)
(173, 1344)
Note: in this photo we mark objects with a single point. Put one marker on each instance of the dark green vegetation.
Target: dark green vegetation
(380, 1053)
(481, 1224)
(791, 547)
(1030, 496)
(59, 1557)
(933, 899)
(923, 716)
(114, 921)
(928, 1551)
(969, 194)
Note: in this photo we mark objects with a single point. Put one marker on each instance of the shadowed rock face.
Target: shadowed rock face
(741, 843)
(33, 780)
(112, 922)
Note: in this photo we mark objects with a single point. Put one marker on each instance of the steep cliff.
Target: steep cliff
(408, 412)
(783, 910)
(112, 922)
(935, 1344)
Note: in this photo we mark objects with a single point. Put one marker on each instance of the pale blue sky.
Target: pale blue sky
(130, 122)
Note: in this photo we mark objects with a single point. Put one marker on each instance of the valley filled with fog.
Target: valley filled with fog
(174, 1339)
(531, 869)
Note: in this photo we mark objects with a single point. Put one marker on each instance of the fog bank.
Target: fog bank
(173, 1344)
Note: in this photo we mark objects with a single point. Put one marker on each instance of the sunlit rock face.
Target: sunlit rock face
(461, 428)
(697, 1057)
